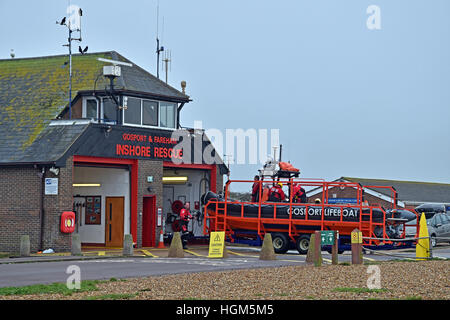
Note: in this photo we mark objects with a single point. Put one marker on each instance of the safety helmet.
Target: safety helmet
(317, 200)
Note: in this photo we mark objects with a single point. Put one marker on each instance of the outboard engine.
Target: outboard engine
(392, 231)
(210, 196)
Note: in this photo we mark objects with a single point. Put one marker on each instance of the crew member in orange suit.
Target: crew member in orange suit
(276, 193)
(185, 216)
(255, 189)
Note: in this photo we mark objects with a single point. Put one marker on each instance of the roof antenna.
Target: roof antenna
(159, 49)
(167, 62)
(73, 24)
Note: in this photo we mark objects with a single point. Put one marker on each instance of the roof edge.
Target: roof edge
(58, 56)
(397, 181)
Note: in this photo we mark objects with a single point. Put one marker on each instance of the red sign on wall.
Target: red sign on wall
(148, 146)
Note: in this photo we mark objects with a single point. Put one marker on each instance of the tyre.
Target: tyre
(339, 251)
(302, 244)
(433, 240)
(280, 242)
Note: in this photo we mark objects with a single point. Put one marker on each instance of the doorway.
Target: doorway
(114, 221)
(148, 221)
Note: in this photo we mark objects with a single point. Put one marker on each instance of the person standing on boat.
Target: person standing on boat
(299, 194)
(255, 189)
(276, 193)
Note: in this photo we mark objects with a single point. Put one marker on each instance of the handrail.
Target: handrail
(394, 192)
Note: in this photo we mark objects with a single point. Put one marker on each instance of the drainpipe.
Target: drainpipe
(99, 101)
(178, 114)
(42, 213)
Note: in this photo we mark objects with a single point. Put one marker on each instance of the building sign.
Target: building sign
(148, 146)
(125, 142)
(131, 143)
(51, 186)
(342, 200)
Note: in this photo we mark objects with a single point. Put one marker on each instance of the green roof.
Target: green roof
(33, 91)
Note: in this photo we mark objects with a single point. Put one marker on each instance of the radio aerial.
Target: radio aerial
(66, 23)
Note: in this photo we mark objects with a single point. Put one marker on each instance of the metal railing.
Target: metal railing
(220, 218)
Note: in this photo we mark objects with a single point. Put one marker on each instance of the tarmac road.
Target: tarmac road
(21, 274)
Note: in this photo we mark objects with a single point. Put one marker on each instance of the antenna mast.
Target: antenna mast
(159, 49)
(167, 59)
(66, 21)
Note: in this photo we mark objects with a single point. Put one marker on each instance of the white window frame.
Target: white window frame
(84, 107)
(159, 115)
(123, 113)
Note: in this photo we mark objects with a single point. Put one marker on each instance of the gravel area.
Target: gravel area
(399, 280)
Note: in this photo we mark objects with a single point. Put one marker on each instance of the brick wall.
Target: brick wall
(219, 181)
(351, 193)
(149, 168)
(55, 205)
(20, 196)
(20, 202)
(19, 207)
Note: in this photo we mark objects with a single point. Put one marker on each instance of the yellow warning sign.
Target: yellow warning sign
(357, 237)
(216, 244)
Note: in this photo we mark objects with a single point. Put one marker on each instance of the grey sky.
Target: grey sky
(348, 101)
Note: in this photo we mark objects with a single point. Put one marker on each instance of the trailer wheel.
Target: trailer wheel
(280, 242)
(302, 244)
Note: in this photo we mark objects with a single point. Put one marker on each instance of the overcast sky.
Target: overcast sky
(348, 101)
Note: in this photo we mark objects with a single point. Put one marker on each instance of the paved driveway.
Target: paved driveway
(20, 274)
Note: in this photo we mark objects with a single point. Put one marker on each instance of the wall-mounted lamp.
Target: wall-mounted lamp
(86, 185)
(54, 170)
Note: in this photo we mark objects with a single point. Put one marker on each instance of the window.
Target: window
(91, 109)
(132, 114)
(109, 110)
(437, 219)
(167, 115)
(149, 113)
(142, 112)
